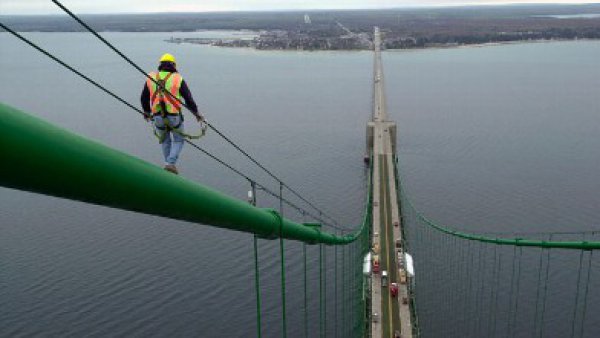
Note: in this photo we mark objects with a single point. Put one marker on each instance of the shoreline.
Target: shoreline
(397, 50)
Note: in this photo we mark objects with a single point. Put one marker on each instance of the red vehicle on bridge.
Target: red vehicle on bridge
(376, 264)
(393, 289)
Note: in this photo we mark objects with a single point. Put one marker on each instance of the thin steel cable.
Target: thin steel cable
(321, 290)
(516, 311)
(226, 138)
(336, 287)
(257, 286)
(256, 270)
(305, 293)
(545, 292)
(478, 298)
(344, 291)
(585, 294)
(282, 254)
(577, 294)
(537, 293)
(325, 291)
(493, 289)
(497, 287)
(512, 290)
(467, 291)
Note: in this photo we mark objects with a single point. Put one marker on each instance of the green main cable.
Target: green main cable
(62, 164)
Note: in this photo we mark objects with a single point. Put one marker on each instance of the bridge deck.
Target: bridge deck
(394, 316)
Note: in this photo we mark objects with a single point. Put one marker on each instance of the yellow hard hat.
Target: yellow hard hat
(167, 58)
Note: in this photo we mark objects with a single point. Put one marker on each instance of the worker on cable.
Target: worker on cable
(163, 104)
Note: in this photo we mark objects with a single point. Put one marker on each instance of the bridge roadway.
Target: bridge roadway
(381, 138)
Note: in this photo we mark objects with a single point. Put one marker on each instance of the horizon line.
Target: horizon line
(401, 7)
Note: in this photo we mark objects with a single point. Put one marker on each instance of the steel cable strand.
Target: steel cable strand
(585, 294)
(325, 291)
(545, 291)
(537, 293)
(336, 287)
(577, 294)
(511, 293)
(479, 295)
(493, 290)
(226, 138)
(516, 310)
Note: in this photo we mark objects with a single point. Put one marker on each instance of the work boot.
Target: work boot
(172, 168)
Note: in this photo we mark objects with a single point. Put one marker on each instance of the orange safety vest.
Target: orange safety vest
(159, 98)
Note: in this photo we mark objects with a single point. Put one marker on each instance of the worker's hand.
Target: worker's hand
(147, 117)
(199, 117)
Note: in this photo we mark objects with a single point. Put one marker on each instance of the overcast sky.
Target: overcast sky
(130, 6)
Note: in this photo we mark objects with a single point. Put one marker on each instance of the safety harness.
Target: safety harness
(164, 96)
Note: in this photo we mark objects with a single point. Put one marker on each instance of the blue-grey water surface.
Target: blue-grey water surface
(490, 139)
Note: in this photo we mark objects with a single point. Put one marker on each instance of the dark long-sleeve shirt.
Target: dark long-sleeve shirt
(184, 91)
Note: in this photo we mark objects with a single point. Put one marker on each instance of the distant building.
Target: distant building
(307, 19)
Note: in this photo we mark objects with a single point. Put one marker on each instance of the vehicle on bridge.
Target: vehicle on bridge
(393, 289)
(376, 264)
(384, 278)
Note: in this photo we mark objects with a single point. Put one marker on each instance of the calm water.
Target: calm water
(499, 138)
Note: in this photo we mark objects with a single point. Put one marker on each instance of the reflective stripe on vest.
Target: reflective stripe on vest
(172, 83)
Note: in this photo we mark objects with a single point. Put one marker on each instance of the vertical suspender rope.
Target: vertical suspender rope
(585, 294)
(545, 291)
(344, 286)
(305, 287)
(282, 254)
(336, 286)
(257, 285)
(577, 294)
(494, 291)
(537, 293)
(321, 290)
(256, 269)
(512, 290)
(478, 299)
(325, 291)
(514, 313)
(353, 282)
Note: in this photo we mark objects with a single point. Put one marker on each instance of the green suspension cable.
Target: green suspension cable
(493, 290)
(545, 292)
(344, 291)
(512, 290)
(585, 294)
(325, 291)
(577, 294)
(335, 283)
(479, 295)
(321, 291)
(256, 270)
(257, 286)
(537, 293)
(514, 321)
(282, 254)
(305, 294)
(468, 284)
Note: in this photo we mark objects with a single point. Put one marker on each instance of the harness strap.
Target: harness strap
(161, 88)
(167, 127)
